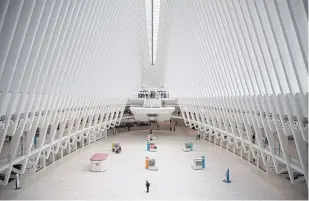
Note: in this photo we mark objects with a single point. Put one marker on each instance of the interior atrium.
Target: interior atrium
(203, 99)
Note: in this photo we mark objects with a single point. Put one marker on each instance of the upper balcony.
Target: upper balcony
(145, 97)
(152, 105)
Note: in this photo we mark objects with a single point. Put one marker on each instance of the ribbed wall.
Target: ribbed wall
(239, 70)
(67, 68)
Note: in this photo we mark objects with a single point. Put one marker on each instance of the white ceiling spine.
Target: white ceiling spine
(152, 27)
(63, 62)
(238, 68)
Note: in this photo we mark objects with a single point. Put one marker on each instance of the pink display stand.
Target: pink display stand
(98, 162)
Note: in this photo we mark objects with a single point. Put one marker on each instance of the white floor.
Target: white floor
(125, 178)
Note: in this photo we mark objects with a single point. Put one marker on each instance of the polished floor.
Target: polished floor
(70, 178)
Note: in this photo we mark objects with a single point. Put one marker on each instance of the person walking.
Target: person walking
(147, 186)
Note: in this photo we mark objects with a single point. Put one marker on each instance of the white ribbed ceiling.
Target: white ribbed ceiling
(238, 69)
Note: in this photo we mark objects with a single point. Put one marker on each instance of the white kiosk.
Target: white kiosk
(116, 147)
(198, 163)
(151, 138)
(188, 146)
(152, 147)
(151, 164)
(98, 162)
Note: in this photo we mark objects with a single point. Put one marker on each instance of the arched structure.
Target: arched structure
(239, 71)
